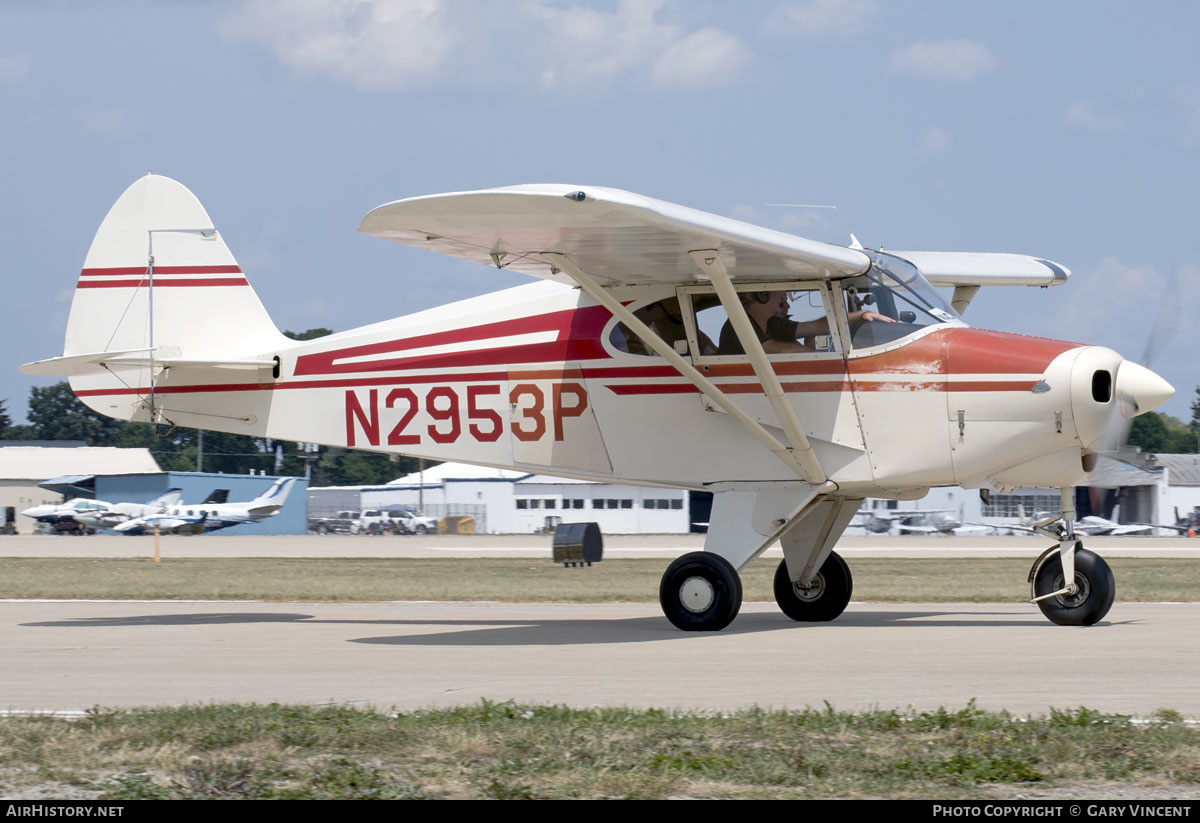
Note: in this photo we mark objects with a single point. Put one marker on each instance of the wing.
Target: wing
(615, 236)
(952, 268)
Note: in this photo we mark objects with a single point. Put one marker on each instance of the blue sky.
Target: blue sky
(1065, 130)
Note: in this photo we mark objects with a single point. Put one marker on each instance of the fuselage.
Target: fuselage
(539, 378)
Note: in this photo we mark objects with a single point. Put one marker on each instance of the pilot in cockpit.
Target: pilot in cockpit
(768, 312)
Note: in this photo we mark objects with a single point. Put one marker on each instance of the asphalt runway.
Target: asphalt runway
(75, 655)
(72, 655)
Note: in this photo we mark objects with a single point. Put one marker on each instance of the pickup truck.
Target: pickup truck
(344, 522)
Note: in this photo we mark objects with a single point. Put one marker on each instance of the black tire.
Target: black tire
(1097, 589)
(825, 600)
(700, 592)
(322, 529)
(420, 528)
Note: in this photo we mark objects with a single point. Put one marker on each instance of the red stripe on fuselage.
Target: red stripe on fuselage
(127, 270)
(578, 339)
(162, 284)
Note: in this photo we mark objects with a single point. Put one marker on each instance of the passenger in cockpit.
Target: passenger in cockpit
(778, 333)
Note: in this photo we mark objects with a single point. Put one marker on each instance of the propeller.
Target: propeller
(1136, 389)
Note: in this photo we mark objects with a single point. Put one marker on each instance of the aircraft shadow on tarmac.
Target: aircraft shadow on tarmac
(571, 632)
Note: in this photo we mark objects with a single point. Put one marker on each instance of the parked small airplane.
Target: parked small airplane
(66, 511)
(917, 521)
(1093, 524)
(207, 517)
(99, 514)
(664, 346)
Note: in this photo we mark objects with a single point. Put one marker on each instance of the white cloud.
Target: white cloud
(951, 61)
(372, 44)
(703, 59)
(935, 141)
(421, 44)
(1082, 115)
(816, 18)
(14, 69)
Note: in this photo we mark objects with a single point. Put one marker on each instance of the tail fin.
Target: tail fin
(272, 499)
(217, 496)
(158, 229)
(159, 287)
(168, 498)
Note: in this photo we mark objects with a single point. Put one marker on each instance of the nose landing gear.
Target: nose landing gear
(1077, 588)
(1085, 601)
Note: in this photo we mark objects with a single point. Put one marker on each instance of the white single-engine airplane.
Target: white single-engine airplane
(201, 518)
(608, 369)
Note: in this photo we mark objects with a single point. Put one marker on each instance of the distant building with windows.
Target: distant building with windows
(502, 501)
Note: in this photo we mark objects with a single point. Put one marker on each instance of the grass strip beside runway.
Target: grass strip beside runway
(511, 751)
(982, 580)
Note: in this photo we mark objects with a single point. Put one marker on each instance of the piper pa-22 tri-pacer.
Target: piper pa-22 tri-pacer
(642, 356)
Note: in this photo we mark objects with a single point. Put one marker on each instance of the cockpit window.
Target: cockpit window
(894, 288)
(666, 320)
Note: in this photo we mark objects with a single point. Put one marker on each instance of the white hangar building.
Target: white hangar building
(26, 464)
(512, 502)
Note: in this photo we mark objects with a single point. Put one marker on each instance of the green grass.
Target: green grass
(529, 580)
(508, 751)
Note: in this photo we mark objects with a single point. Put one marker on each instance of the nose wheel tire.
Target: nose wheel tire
(1094, 594)
(822, 601)
(700, 592)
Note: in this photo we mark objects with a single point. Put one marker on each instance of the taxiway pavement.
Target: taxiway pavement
(406, 655)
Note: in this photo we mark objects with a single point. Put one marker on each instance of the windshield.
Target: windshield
(894, 288)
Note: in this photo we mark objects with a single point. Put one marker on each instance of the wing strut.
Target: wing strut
(752, 426)
(709, 262)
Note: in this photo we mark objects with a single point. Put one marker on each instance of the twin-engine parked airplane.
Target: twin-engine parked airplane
(206, 517)
(664, 346)
(98, 514)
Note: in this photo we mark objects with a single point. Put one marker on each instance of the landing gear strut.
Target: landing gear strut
(1071, 585)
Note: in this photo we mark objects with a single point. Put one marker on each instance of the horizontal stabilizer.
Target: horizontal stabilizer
(82, 365)
(77, 365)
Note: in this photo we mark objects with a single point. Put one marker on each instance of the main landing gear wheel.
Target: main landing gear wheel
(700, 592)
(1095, 589)
(824, 600)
